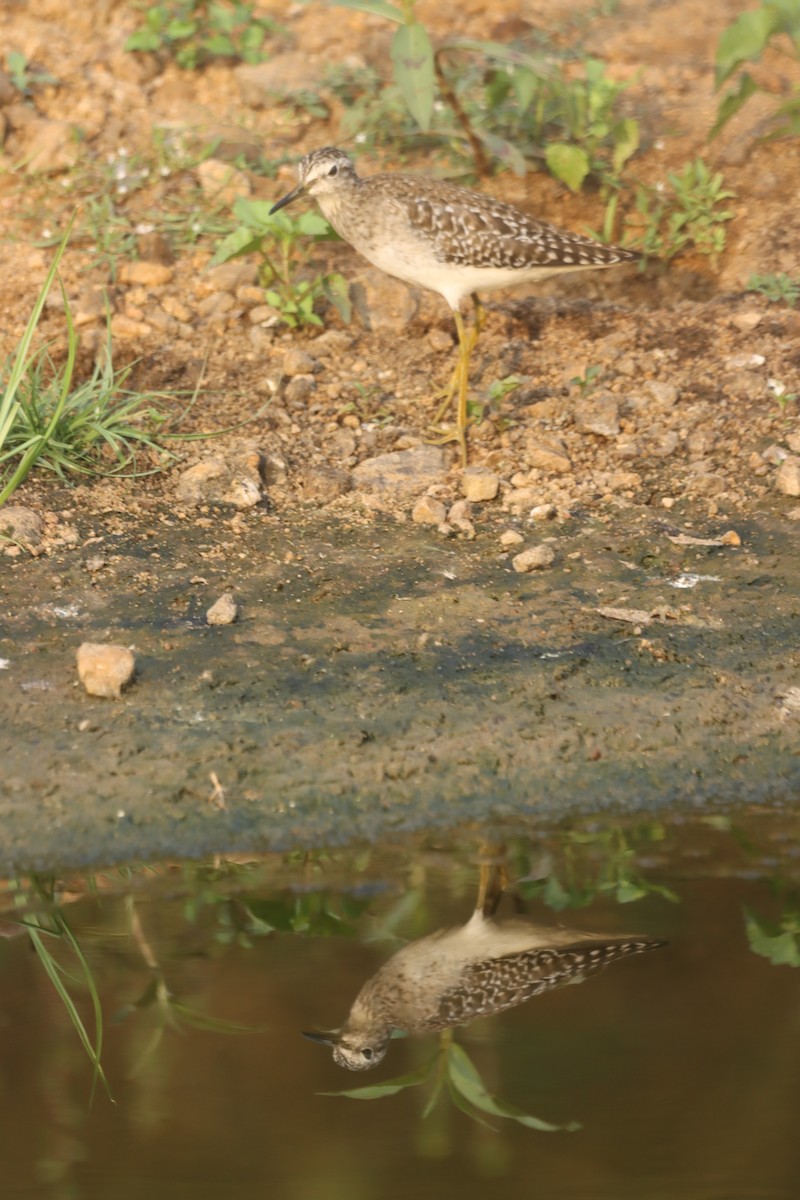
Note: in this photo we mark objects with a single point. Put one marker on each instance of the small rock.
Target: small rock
(154, 247)
(479, 484)
(464, 526)
(428, 511)
(542, 512)
(654, 393)
(787, 480)
(744, 362)
(104, 670)
(793, 442)
(50, 147)
(21, 524)
(535, 559)
(382, 303)
(223, 611)
(299, 388)
(260, 83)
(521, 498)
(94, 563)
(218, 480)
(324, 483)
(598, 414)
(460, 510)
(402, 474)
(439, 341)
(221, 182)
(774, 454)
(127, 328)
(510, 537)
(550, 455)
(341, 444)
(229, 276)
(146, 274)
(746, 322)
(297, 362)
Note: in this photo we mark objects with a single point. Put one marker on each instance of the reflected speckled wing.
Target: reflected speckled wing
(496, 984)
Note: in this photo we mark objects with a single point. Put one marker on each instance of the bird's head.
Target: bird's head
(321, 173)
(353, 1051)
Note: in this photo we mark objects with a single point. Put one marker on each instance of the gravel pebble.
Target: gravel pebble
(428, 511)
(787, 480)
(479, 484)
(534, 559)
(223, 611)
(104, 670)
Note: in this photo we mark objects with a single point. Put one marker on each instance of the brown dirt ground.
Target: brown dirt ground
(697, 458)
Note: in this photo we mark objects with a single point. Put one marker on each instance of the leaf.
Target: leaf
(466, 1080)
(412, 56)
(392, 1086)
(744, 39)
(626, 142)
(241, 241)
(781, 947)
(568, 163)
(732, 101)
(378, 8)
(337, 292)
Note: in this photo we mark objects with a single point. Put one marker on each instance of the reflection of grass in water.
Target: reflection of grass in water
(451, 1072)
(38, 932)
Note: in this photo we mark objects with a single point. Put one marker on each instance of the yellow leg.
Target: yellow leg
(459, 381)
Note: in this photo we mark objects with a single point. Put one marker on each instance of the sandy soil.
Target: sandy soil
(383, 673)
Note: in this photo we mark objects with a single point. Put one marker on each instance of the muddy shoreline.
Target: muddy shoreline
(381, 680)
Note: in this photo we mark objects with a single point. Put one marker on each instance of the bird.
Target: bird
(473, 970)
(449, 239)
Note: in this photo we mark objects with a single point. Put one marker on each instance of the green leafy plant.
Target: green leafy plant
(776, 288)
(194, 32)
(284, 242)
(772, 24)
(452, 1073)
(593, 864)
(505, 101)
(48, 420)
(23, 75)
(588, 381)
(687, 213)
(779, 941)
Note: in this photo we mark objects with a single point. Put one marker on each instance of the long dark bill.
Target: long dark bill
(288, 198)
(324, 1039)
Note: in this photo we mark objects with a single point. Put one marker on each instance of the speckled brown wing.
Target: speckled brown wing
(476, 230)
(496, 984)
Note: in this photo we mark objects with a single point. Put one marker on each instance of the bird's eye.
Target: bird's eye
(334, 170)
(367, 1053)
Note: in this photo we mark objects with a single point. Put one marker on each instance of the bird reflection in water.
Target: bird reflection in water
(473, 970)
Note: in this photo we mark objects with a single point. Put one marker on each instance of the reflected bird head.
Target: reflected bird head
(354, 1053)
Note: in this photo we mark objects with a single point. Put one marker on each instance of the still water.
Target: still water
(673, 1073)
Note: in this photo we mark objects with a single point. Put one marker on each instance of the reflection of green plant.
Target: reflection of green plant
(194, 32)
(776, 288)
(685, 214)
(283, 241)
(579, 878)
(779, 941)
(452, 1073)
(772, 24)
(41, 927)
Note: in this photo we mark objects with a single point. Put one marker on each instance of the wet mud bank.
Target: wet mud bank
(380, 679)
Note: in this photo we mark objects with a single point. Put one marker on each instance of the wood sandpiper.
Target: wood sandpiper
(474, 970)
(451, 240)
